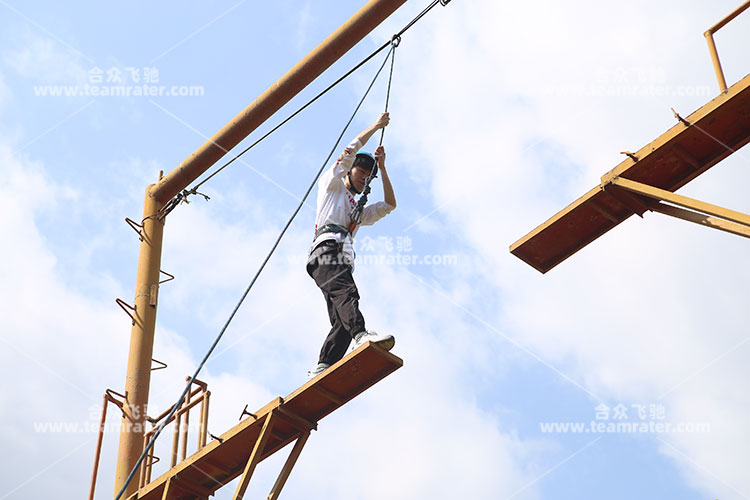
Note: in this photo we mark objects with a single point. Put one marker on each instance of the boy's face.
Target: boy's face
(359, 176)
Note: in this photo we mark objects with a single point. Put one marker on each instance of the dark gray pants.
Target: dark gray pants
(334, 278)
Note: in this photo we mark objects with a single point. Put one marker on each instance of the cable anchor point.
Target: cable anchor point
(245, 412)
(679, 118)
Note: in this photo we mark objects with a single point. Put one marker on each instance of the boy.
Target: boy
(331, 260)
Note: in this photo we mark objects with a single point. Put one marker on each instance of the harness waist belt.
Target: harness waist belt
(331, 228)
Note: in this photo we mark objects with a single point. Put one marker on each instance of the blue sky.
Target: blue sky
(501, 115)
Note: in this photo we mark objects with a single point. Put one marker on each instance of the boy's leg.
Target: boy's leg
(338, 339)
(337, 283)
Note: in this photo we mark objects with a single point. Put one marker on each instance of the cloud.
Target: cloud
(512, 128)
(45, 61)
(496, 127)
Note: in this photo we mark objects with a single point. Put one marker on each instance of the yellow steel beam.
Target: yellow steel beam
(290, 461)
(715, 59)
(717, 129)
(702, 219)
(683, 201)
(281, 92)
(168, 491)
(227, 456)
(252, 462)
(709, 34)
(736, 12)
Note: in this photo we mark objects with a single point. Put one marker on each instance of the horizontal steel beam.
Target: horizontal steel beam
(281, 92)
(701, 219)
(683, 201)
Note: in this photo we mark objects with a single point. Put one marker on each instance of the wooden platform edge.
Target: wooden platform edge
(391, 364)
(623, 169)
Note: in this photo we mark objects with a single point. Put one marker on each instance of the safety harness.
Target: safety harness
(355, 216)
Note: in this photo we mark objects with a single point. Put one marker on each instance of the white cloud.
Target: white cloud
(651, 302)
(46, 61)
(650, 307)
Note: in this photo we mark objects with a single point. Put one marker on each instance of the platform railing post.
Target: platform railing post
(717, 63)
(709, 34)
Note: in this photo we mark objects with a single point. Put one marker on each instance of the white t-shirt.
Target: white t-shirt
(335, 202)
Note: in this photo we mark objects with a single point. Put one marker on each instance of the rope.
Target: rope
(255, 278)
(182, 197)
(356, 214)
(395, 41)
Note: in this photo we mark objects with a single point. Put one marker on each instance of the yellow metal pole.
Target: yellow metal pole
(715, 58)
(138, 376)
(709, 34)
(736, 12)
(98, 452)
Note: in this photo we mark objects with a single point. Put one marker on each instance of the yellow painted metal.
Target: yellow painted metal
(98, 452)
(702, 219)
(716, 61)
(138, 375)
(709, 34)
(252, 462)
(281, 92)
(683, 201)
(736, 12)
(717, 129)
(287, 469)
(225, 457)
(203, 424)
(167, 495)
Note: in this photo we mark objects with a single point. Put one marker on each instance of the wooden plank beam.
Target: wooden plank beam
(328, 395)
(632, 203)
(297, 421)
(186, 484)
(225, 459)
(717, 129)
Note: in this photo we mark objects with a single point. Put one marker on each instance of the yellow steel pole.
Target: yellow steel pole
(715, 58)
(141, 344)
(709, 34)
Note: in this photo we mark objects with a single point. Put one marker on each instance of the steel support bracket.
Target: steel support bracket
(685, 208)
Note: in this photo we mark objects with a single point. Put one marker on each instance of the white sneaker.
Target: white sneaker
(318, 370)
(386, 341)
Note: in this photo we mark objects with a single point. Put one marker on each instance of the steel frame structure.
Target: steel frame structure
(646, 180)
(137, 382)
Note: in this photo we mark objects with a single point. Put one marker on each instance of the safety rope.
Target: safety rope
(355, 216)
(393, 43)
